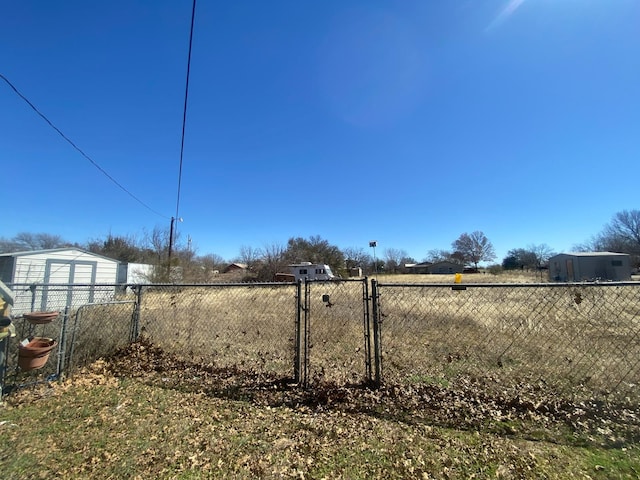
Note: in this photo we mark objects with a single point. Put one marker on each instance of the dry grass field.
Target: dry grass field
(250, 327)
(511, 276)
(580, 336)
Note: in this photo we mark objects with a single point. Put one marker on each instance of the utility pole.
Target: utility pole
(173, 219)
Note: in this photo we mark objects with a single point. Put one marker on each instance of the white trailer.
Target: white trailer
(311, 271)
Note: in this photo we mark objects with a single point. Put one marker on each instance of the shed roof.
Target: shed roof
(445, 262)
(421, 264)
(53, 251)
(594, 254)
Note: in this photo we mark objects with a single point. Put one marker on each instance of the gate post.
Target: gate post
(297, 360)
(377, 347)
(306, 333)
(367, 330)
(62, 346)
(135, 316)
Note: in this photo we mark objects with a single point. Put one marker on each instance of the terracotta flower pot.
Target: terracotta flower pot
(39, 318)
(35, 353)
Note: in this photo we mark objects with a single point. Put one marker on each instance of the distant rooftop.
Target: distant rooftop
(593, 254)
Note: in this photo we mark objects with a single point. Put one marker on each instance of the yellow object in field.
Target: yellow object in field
(458, 278)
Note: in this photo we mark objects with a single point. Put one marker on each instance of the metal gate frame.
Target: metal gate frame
(304, 316)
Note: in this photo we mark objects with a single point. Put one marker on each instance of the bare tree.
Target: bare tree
(356, 257)
(123, 248)
(157, 243)
(9, 245)
(249, 256)
(316, 250)
(542, 253)
(38, 241)
(532, 257)
(201, 269)
(621, 235)
(437, 255)
(519, 258)
(625, 228)
(272, 261)
(393, 259)
(474, 248)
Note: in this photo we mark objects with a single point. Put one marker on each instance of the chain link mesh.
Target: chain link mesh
(249, 326)
(576, 337)
(82, 335)
(96, 330)
(570, 336)
(26, 330)
(337, 338)
(51, 297)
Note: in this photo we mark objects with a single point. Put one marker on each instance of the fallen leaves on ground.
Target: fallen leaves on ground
(146, 413)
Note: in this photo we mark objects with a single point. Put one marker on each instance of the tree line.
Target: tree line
(621, 234)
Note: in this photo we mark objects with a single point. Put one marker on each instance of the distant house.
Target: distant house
(417, 267)
(445, 267)
(235, 267)
(589, 266)
(59, 266)
(437, 268)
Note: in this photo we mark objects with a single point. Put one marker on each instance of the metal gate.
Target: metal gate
(334, 332)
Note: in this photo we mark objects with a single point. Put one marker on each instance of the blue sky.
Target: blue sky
(408, 122)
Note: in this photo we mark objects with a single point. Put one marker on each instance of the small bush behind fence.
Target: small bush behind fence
(582, 336)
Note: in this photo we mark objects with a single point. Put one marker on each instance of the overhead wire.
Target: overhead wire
(93, 162)
(184, 110)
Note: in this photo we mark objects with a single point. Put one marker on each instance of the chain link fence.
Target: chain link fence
(573, 337)
(50, 297)
(249, 326)
(82, 331)
(337, 330)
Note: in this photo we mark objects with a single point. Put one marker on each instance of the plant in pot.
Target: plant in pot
(33, 352)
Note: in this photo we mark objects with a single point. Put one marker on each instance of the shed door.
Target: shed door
(65, 273)
(570, 277)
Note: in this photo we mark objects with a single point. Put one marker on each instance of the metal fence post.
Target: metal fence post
(62, 346)
(33, 288)
(367, 329)
(377, 348)
(4, 356)
(135, 317)
(297, 362)
(306, 333)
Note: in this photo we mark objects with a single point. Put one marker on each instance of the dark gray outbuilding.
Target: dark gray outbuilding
(589, 267)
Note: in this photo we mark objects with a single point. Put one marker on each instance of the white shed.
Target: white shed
(130, 273)
(52, 279)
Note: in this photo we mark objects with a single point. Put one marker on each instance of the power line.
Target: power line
(172, 231)
(184, 111)
(78, 148)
